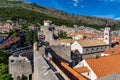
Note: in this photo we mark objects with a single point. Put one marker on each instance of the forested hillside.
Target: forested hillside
(32, 13)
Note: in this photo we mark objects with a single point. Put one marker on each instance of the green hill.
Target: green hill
(32, 13)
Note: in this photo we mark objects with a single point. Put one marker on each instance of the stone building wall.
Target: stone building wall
(19, 67)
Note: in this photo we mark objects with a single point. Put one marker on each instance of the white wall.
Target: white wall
(75, 46)
(94, 49)
(87, 50)
(91, 75)
(46, 23)
(65, 44)
(103, 54)
(77, 37)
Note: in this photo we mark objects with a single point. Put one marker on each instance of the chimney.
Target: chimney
(97, 56)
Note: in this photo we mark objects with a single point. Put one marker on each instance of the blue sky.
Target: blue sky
(99, 8)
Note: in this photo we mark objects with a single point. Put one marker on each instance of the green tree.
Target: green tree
(4, 66)
(28, 38)
(35, 37)
(4, 56)
(5, 77)
(63, 35)
(13, 33)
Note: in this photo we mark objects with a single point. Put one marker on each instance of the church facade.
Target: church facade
(93, 46)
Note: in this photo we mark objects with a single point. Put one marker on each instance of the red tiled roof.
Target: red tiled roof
(88, 43)
(108, 51)
(104, 66)
(81, 69)
(77, 75)
(66, 40)
(9, 41)
(115, 50)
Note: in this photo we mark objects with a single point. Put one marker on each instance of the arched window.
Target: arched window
(12, 61)
(106, 33)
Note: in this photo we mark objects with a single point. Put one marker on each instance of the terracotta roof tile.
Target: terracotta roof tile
(81, 69)
(87, 43)
(77, 75)
(66, 41)
(104, 66)
(108, 51)
(115, 50)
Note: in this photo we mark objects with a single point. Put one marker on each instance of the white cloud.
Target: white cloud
(75, 2)
(117, 18)
(112, 16)
(106, 16)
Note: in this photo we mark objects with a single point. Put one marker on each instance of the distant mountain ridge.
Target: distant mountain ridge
(95, 22)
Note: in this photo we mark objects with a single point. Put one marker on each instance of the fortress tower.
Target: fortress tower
(48, 33)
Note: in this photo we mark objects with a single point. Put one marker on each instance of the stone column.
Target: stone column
(28, 77)
(35, 46)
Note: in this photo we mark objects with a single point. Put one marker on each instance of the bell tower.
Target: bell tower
(107, 36)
